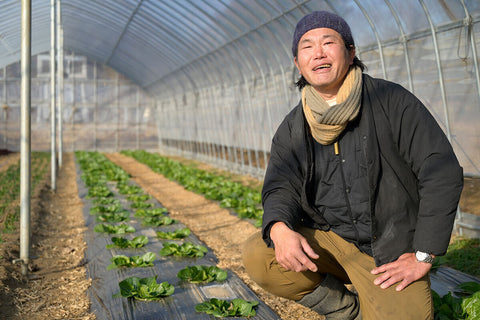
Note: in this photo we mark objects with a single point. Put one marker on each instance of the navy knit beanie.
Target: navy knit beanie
(322, 19)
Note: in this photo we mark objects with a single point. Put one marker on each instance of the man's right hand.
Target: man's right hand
(292, 250)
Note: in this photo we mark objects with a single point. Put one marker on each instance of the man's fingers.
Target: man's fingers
(308, 250)
(402, 285)
(379, 270)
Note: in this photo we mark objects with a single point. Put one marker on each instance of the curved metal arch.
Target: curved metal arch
(439, 68)
(468, 22)
(216, 23)
(404, 41)
(193, 42)
(132, 15)
(379, 42)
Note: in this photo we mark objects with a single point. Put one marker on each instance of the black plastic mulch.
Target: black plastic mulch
(181, 304)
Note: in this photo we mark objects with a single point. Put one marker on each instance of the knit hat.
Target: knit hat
(322, 19)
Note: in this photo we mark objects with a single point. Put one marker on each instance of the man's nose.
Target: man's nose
(319, 51)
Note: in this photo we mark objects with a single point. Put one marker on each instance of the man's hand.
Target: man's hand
(292, 250)
(406, 269)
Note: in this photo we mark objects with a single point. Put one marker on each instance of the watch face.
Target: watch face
(422, 256)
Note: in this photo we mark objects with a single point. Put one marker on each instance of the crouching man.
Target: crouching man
(362, 187)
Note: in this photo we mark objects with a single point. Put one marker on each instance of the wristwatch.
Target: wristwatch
(424, 257)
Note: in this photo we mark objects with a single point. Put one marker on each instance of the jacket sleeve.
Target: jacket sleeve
(283, 181)
(426, 149)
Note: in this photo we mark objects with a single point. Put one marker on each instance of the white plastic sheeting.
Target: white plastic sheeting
(216, 76)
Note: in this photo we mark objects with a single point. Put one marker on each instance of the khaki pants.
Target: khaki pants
(343, 260)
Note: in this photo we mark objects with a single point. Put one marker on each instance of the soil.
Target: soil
(56, 285)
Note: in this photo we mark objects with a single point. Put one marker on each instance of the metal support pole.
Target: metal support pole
(117, 104)
(137, 140)
(95, 105)
(5, 109)
(74, 108)
(60, 84)
(25, 142)
(53, 114)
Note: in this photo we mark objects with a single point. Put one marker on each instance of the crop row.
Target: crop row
(10, 189)
(111, 217)
(243, 200)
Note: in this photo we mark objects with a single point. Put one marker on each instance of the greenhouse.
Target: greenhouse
(151, 124)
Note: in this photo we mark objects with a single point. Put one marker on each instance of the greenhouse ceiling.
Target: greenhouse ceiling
(162, 44)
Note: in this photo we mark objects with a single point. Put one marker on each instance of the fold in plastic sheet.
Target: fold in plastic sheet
(181, 304)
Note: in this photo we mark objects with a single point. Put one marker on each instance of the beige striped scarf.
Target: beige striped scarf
(327, 122)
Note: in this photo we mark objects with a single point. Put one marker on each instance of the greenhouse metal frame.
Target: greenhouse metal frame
(212, 79)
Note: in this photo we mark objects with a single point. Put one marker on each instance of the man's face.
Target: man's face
(323, 60)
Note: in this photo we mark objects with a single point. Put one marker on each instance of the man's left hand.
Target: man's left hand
(406, 269)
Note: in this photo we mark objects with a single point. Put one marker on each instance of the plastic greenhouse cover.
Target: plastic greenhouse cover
(181, 304)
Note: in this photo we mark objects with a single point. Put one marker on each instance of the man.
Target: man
(362, 187)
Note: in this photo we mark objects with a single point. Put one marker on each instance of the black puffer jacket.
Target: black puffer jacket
(412, 209)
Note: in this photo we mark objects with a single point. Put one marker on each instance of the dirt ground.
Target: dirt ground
(56, 286)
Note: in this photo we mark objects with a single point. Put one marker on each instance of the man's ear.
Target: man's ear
(296, 64)
(351, 54)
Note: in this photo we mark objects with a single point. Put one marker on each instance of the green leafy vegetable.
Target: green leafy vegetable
(187, 249)
(224, 308)
(144, 288)
(139, 197)
(99, 192)
(117, 229)
(105, 201)
(123, 243)
(124, 188)
(132, 262)
(142, 205)
(467, 288)
(471, 306)
(158, 221)
(113, 208)
(466, 307)
(154, 212)
(114, 217)
(202, 274)
(177, 234)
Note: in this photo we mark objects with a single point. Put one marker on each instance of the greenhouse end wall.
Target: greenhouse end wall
(102, 110)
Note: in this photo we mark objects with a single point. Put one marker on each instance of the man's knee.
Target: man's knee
(263, 268)
(254, 255)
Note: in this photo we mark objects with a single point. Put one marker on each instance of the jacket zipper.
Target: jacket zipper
(349, 208)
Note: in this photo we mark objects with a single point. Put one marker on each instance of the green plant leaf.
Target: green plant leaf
(471, 306)
(467, 288)
(224, 308)
(145, 260)
(202, 274)
(123, 243)
(187, 249)
(117, 229)
(144, 288)
(177, 234)
(113, 217)
(153, 212)
(158, 221)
